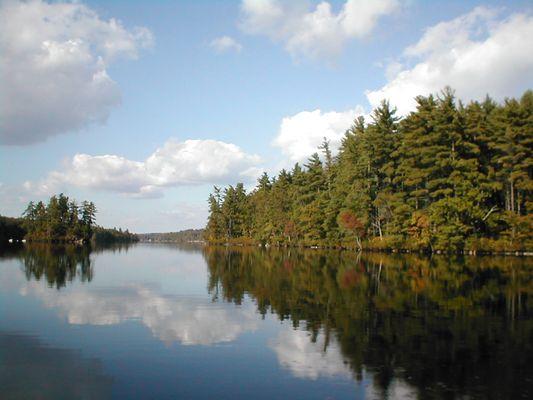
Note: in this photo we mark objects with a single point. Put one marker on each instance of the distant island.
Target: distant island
(448, 177)
(61, 220)
(184, 236)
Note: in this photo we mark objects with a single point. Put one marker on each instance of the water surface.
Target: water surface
(154, 321)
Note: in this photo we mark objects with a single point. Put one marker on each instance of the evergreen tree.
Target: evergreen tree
(446, 177)
(215, 223)
(61, 220)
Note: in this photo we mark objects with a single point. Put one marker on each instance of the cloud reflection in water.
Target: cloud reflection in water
(307, 359)
(189, 320)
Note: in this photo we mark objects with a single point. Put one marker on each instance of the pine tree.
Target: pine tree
(445, 177)
(215, 227)
(88, 216)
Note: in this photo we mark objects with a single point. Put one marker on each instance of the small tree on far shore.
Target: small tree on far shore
(349, 222)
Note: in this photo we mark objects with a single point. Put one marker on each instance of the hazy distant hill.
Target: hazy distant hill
(188, 235)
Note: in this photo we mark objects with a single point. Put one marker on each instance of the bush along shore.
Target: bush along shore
(447, 178)
(61, 220)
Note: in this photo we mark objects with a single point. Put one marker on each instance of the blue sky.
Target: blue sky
(175, 111)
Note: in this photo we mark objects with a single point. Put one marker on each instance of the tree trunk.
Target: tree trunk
(507, 198)
(358, 241)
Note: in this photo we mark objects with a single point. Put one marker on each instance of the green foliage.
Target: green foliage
(63, 220)
(113, 235)
(444, 178)
(185, 236)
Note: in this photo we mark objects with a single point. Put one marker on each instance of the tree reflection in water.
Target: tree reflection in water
(61, 264)
(57, 264)
(449, 327)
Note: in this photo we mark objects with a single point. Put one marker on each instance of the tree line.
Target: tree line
(112, 235)
(63, 220)
(184, 236)
(447, 177)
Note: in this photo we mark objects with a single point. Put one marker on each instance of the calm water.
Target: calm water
(159, 322)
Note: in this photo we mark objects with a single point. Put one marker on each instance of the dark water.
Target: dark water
(160, 322)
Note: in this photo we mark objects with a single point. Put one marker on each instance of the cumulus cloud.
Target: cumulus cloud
(316, 33)
(54, 68)
(225, 44)
(307, 359)
(300, 135)
(476, 53)
(175, 163)
(170, 319)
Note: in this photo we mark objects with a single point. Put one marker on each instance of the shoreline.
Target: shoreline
(518, 253)
(353, 249)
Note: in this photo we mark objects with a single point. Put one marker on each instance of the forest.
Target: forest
(448, 177)
(62, 220)
(184, 236)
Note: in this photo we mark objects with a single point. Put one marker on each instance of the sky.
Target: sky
(144, 106)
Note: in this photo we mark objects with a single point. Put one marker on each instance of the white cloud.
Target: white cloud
(309, 360)
(301, 134)
(225, 44)
(476, 54)
(317, 33)
(54, 68)
(174, 164)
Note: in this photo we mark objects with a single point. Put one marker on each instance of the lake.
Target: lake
(166, 322)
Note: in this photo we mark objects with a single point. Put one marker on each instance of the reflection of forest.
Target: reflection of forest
(61, 264)
(57, 264)
(449, 327)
